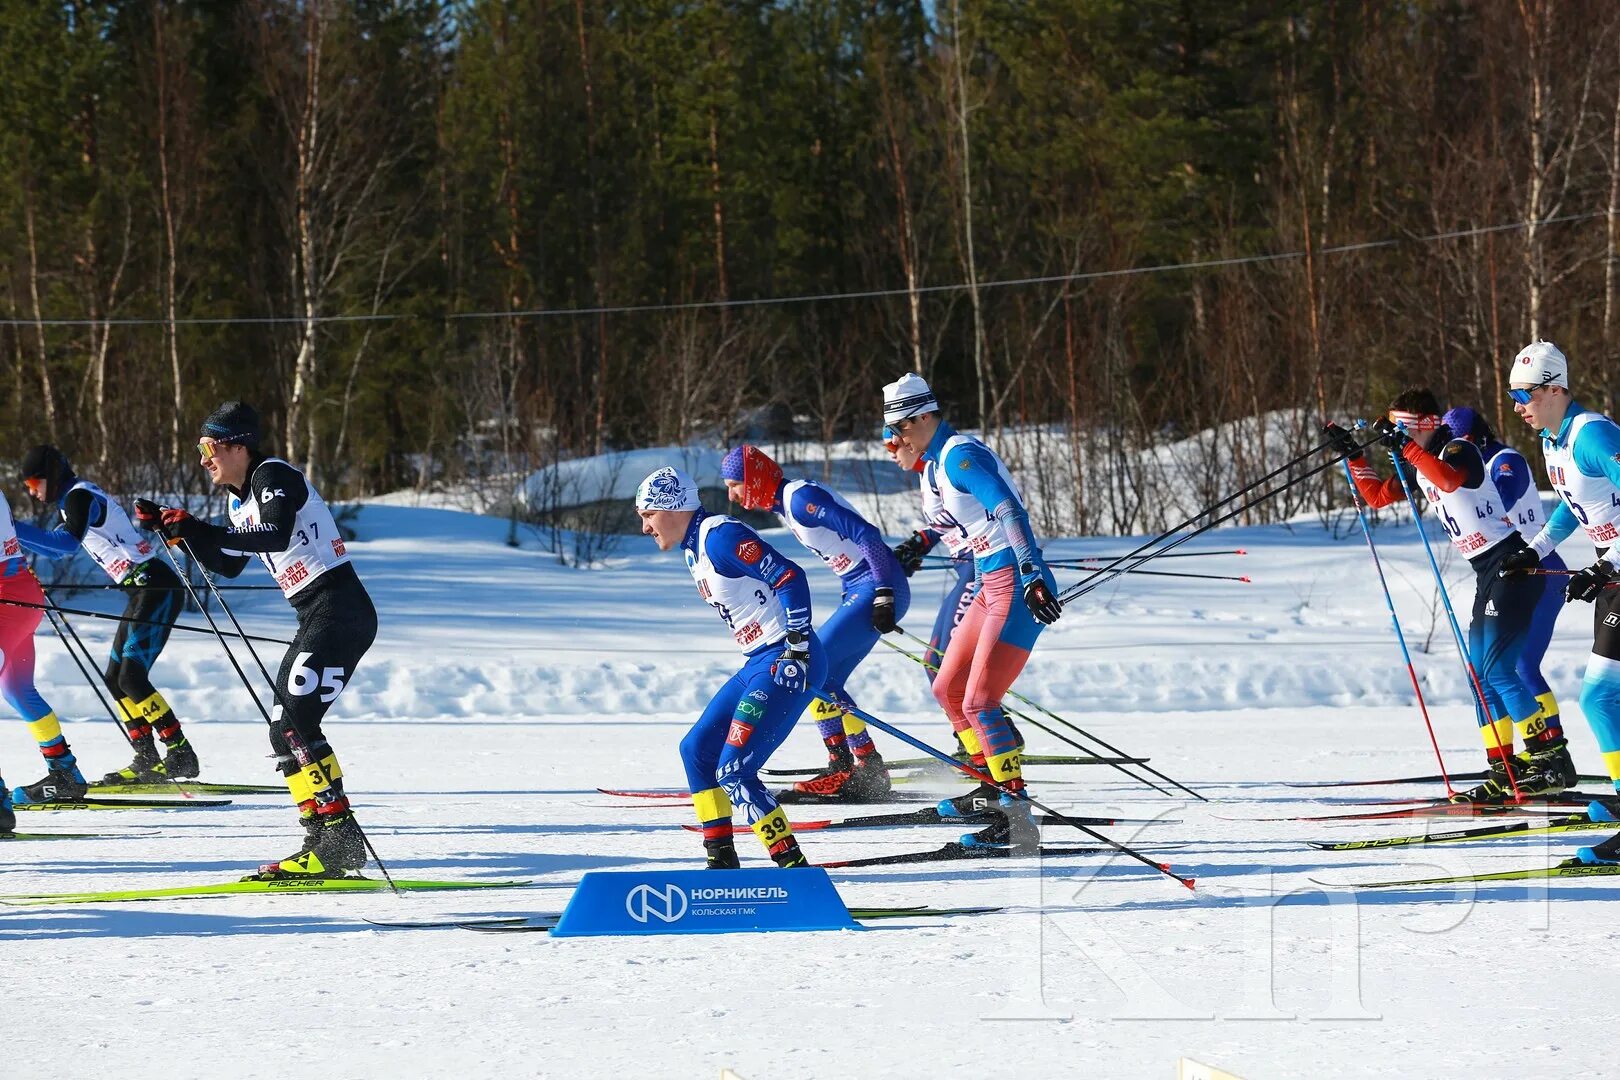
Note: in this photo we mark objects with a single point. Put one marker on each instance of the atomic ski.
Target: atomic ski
(233, 888)
(1570, 823)
(933, 763)
(91, 802)
(930, 815)
(1532, 874)
(954, 851)
(1428, 810)
(1585, 778)
(168, 787)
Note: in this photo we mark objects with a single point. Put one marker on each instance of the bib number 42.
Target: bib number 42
(307, 680)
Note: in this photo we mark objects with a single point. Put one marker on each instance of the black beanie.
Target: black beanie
(233, 422)
(47, 463)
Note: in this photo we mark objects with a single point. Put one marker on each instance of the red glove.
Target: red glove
(148, 514)
(174, 524)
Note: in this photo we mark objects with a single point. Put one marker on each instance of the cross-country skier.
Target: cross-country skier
(981, 509)
(1483, 496)
(953, 606)
(765, 602)
(875, 599)
(276, 514)
(91, 519)
(62, 781)
(1582, 452)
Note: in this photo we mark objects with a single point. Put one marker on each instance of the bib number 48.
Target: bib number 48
(307, 680)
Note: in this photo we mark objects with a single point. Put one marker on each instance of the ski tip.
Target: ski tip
(1240, 551)
(1245, 580)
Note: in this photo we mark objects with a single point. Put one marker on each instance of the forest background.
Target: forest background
(438, 243)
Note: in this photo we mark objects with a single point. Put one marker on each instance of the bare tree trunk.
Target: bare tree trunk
(170, 255)
(967, 212)
(47, 393)
(1611, 255)
(600, 277)
(300, 410)
(715, 188)
(1535, 271)
(907, 240)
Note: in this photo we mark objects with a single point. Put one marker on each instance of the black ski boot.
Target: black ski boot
(8, 817)
(787, 854)
(332, 849)
(1014, 827)
(869, 780)
(1495, 789)
(62, 783)
(976, 803)
(1604, 854)
(1545, 768)
(180, 763)
(145, 769)
(722, 854)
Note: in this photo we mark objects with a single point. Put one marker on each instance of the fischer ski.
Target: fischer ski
(168, 787)
(955, 852)
(91, 802)
(1570, 823)
(935, 765)
(233, 888)
(930, 815)
(1584, 778)
(1534, 873)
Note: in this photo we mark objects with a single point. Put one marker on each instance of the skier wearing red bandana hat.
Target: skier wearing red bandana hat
(875, 599)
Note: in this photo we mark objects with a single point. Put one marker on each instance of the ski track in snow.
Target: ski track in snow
(503, 689)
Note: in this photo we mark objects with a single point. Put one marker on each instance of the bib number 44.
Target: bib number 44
(307, 680)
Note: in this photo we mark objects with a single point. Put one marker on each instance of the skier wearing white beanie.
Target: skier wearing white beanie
(1582, 450)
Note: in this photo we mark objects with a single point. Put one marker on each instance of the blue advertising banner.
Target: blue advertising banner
(607, 903)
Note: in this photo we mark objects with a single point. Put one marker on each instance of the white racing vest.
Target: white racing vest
(1526, 516)
(749, 606)
(114, 544)
(1592, 499)
(963, 521)
(842, 556)
(10, 547)
(1474, 518)
(316, 545)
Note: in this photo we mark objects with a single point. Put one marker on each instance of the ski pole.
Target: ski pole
(1015, 714)
(1451, 617)
(158, 588)
(1156, 573)
(1112, 570)
(986, 778)
(1105, 744)
(1366, 529)
(137, 622)
(1103, 558)
(295, 741)
(1543, 572)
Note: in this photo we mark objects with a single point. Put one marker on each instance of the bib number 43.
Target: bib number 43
(307, 680)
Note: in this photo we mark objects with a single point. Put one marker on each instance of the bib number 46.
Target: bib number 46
(307, 680)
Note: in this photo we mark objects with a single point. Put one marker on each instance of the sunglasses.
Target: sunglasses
(905, 425)
(1522, 397)
(208, 446)
(35, 486)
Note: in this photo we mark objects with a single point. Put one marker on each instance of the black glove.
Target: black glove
(883, 620)
(1586, 584)
(1037, 597)
(1341, 442)
(1390, 435)
(1518, 562)
(148, 514)
(911, 550)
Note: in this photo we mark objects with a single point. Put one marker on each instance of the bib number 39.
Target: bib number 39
(307, 680)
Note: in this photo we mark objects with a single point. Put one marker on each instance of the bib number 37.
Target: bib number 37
(307, 680)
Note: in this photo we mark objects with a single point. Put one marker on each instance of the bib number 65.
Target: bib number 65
(307, 680)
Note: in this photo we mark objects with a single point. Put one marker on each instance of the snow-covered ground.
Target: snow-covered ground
(504, 689)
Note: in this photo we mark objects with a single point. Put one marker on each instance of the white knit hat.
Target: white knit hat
(906, 397)
(1539, 363)
(667, 489)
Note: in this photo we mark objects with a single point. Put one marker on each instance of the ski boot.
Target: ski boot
(147, 768)
(787, 854)
(830, 782)
(1495, 789)
(1604, 854)
(62, 783)
(722, 854)
(1014, 827)
(180, 763)
(1604, 808)
(976, 803)
(8, 817)
(863, 780)
(331, 849)
(1545, 768)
